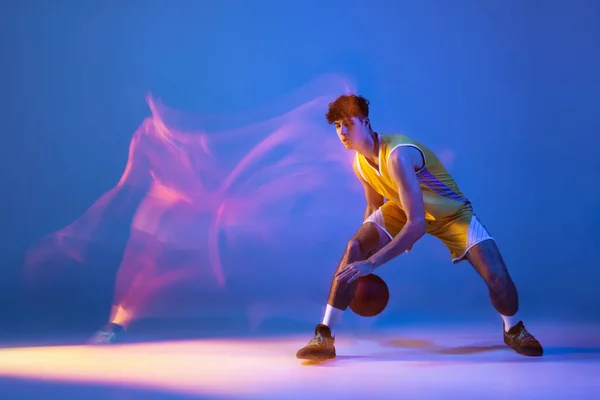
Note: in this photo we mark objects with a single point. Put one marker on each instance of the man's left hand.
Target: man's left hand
(353, 271)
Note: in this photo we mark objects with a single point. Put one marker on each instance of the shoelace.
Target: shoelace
(317, 340)
(524, 335)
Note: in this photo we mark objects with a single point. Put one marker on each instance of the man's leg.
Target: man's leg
(487, 261)
(467, 238)
(367, 240)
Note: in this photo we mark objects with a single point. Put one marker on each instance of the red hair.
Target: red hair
(347, 106)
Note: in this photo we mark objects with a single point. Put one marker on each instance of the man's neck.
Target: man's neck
(371, 150)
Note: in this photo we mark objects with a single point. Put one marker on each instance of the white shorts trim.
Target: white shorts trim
(377, 219)
(477, 234)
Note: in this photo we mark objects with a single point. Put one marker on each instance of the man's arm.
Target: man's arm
(374, 199)
(402, 164)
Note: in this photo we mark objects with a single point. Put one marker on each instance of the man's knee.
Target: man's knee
(353, 245)
(358, 249)
(367, 240)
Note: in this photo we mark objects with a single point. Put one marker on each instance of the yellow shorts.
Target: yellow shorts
(459, 233)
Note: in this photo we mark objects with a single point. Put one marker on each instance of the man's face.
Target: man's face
(352, 132)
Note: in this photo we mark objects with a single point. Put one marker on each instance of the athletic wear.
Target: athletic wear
(448, 213)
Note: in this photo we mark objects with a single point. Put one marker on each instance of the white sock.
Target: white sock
(509, 322)
(332, 317)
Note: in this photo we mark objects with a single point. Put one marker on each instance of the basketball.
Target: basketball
(371, 296)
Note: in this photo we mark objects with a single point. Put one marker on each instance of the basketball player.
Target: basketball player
(422, 198)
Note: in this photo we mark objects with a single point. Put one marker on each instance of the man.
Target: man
(422, 198)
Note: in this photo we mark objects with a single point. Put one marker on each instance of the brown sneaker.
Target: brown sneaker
(522, 341)
(320, 347)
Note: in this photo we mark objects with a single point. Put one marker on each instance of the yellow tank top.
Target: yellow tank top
(441, 194)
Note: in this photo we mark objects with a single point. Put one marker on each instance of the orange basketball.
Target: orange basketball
(371, 296)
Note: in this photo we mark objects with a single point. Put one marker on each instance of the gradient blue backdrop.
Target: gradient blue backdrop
(512, 87)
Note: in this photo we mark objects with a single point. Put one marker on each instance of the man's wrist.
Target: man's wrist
(373, 263)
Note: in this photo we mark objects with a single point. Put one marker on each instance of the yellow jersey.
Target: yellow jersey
(441, 195)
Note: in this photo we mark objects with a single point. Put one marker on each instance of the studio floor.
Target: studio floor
(416, 362)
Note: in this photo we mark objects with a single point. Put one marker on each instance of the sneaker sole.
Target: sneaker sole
(315, 357)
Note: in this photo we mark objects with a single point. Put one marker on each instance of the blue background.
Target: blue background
(510, 87)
